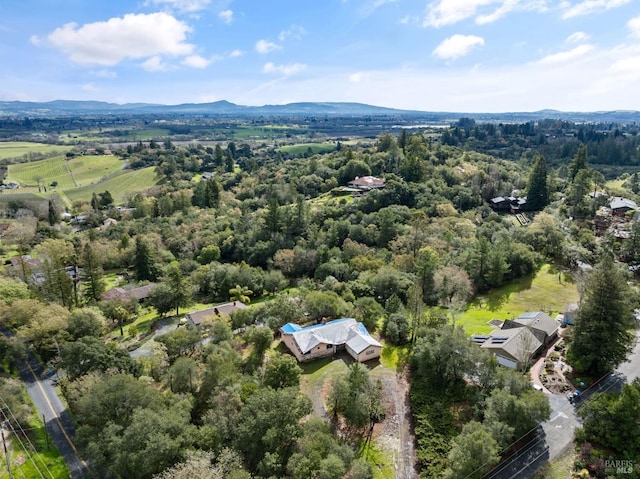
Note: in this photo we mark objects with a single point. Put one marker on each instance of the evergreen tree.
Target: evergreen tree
(579, 162)
(212, 193)
(229, 162)
(218, 156)
(144, 263)
(95, 202)
(54, 217)
(178, 285)
(602, 334)
(106, 200)
(538, 192)
(402, 139)
(92, 273)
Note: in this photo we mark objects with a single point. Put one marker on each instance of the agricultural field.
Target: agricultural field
(80, 171)
(44, 172)
(549, 290)
(302, 148)
(90, 169)
(121, 184)
(17, 149)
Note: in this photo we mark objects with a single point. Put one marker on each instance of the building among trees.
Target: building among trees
(519, 340)
(327, 338)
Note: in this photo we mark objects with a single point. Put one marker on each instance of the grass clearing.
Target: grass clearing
(121, 185)
(394, 357)
(560, 468)
(79, 171)
(20, 195)
(18, 149)
(549, 290)
(382, 465)
(45, 171)
(303, 148)
(90, 169)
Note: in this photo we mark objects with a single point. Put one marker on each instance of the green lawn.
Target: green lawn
(541, 292)
(17, 149)
(121, 185)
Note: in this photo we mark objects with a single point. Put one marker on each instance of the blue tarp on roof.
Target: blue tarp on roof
(363, 329)
(290, 328)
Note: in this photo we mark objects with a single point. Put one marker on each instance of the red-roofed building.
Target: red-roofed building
(367, 183)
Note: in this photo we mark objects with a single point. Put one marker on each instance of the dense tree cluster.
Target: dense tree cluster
(278, 232)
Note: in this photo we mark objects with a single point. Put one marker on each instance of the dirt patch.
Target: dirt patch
(394, 435)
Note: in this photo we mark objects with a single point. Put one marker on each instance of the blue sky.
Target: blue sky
(440, 55)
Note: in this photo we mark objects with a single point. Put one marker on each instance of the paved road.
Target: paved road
(59, 423)
(555, 436)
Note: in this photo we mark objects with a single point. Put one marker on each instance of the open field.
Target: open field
(47, 171)
(17, 149)
(265, 132)
(549, 290)
(304, 147)
(17, 195)
(79, 171)
(121, 185)
(89, 169)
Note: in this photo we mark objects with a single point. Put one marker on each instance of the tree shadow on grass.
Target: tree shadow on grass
(564, 275)
(496, 299)
(315, 365)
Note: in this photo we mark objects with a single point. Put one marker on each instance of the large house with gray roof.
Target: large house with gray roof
(519, 340)
(326, 339)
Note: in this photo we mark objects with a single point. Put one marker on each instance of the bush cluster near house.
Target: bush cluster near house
(275, 233)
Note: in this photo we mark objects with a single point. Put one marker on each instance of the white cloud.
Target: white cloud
(457, 46)
(104, 73)
(566, 56)
(588, 7)
(236, 53)
(358, 77)
(577, 37)
(226, 16)
(290, 69)
(448, 12)
(182, 5)
(133, 36)
(155, 64)
(196, 61)
(35, 40)
(409, 20)
(498, 13)
(265, 46)
(90, 87)
(294, 31)
(634, 26)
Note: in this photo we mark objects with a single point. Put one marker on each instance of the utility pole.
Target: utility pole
(6, 453)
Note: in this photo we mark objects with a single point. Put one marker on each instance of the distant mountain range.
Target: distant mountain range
(341, 109)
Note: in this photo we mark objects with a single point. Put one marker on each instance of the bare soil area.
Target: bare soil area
(394, 435)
